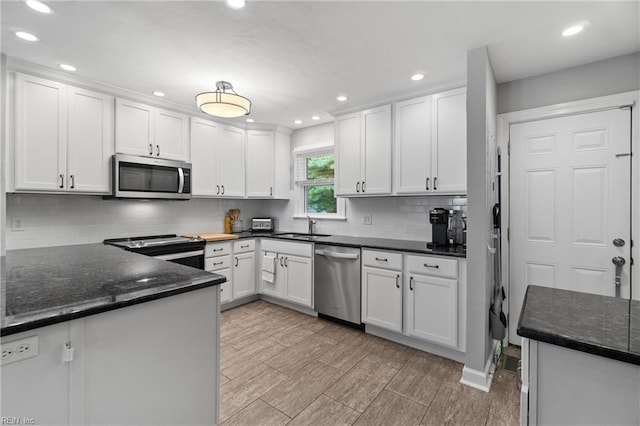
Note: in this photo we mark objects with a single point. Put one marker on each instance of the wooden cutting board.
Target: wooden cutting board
(214, 237)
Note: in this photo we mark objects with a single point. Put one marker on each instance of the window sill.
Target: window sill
(321, 217)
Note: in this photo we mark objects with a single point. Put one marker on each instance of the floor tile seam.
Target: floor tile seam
(345, 405)
(412, 399)
(278, 410)
(360, 413)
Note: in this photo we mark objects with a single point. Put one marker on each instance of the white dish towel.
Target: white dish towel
(269, 268)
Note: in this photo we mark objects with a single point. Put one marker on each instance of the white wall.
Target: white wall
(52, 220)
(3, 102)
(615, 75)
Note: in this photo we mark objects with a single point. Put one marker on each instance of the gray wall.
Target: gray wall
(481, 95)
(610, 76)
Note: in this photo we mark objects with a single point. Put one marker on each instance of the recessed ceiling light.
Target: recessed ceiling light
(417, 77)
(67, 67)
(572, 30)
(249, 120)
(38, 6)
(235, 4)
(298, 122)
(158, 94)
(342, 98)
(26, 36)
(315, 117)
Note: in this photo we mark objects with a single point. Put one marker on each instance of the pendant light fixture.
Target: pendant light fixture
(224, 102)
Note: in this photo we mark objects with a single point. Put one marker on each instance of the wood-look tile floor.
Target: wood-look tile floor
(282, 367)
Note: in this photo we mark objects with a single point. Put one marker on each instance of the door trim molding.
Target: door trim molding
(505, 120)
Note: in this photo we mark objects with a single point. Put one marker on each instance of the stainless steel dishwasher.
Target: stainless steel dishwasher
(337, 282)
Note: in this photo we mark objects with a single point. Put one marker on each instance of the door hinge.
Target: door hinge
(67, 352)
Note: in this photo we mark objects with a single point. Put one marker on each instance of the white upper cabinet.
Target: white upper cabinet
(149, 131)
(268, 158)
(63, 137)
(217, 159)
(205, 136)
(363, 153)
(430, 144)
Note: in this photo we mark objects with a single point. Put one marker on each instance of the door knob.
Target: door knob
(618, 242)
(619, 262)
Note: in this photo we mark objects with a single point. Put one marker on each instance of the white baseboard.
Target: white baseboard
(481, 379)
(286, 304)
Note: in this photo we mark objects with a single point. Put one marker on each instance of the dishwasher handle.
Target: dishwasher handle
(337, 255)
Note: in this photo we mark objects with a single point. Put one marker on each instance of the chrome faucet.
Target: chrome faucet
(311, 223)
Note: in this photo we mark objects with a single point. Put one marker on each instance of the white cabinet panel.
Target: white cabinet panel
(172, 135)
(277, 287)
(226, 289)
(376, 135)
(217, 249)
(413, 146)
(204, 135)
(299, 277)
(348, 155)
(244, 275)
(230, 162)
(90, 140)
(382, 298)
(450, 142)
(432, 309)
(260, 163)
(134, 128)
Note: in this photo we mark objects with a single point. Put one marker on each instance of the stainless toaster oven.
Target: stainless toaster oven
(262, 224)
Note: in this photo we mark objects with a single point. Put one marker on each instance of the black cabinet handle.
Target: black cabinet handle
(357, 186)
(380, 259)
(435, 182)
(427, 184)
(426, 265)
(73, 181)
(61, 181)
(411, 283)
(222, 189)
(236, 261)
(398, 281)
(362, 186)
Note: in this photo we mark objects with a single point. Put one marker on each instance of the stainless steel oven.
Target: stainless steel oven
(144, 177)
(183, 250)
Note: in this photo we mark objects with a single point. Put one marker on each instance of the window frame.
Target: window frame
(300, 156)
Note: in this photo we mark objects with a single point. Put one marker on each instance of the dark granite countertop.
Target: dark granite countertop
(418, 247)
(44, 286)
(599, 325)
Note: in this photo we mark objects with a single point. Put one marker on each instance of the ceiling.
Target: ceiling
(293, 58)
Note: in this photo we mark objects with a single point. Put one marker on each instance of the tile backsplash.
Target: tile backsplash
(51, 220)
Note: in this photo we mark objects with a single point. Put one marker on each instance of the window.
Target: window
(314, 180)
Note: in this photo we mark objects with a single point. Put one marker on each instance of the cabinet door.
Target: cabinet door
(376, 134)
(230, 162)
(432, 309)
(204, 137)
(172, 135)
(382, 298)
(90, 141)
(450, 142)
(226, 289)
(40, 134)
(275, 288)
(38, 387)
(299, 279)
(347, 155)
(260, 162)
(134, 128)
(413, 146)
(244, 275)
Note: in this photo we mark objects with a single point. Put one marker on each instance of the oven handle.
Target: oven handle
(180, 180)
(183, 255)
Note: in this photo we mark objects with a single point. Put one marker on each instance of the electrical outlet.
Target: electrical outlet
(367, 219)
(19, 350)
(17, 224)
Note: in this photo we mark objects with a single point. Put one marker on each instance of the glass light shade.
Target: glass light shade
(223, 104)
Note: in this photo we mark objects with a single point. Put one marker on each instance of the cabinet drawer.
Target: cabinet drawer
(382, 259)
(244, 246)
(216, 263)
(434, 266)
(217, 249)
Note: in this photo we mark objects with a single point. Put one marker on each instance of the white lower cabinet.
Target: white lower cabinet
(137, 348)
(236, 262)
(382, 289)
(422, 297)
(293, 271)
(244, 274)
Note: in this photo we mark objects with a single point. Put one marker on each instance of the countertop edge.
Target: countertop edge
(43, 322)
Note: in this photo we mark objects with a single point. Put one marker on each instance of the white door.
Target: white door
(260, 158)
(570, 199)
(413, 145)
(172, 135)
(230, 162)
(134, 128)
(347, 154)
(382, 298)
(244, 275)
(376, 169)
(90, 141)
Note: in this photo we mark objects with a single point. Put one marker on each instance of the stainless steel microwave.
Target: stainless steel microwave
(145, 177)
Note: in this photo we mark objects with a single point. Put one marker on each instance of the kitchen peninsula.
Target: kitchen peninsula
(92, 334)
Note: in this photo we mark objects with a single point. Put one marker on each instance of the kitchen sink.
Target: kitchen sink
(301, 235)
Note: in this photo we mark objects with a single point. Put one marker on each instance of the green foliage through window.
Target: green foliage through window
(320, 167)
(320, 199)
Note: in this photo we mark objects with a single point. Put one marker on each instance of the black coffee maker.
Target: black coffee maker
(439, 219)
